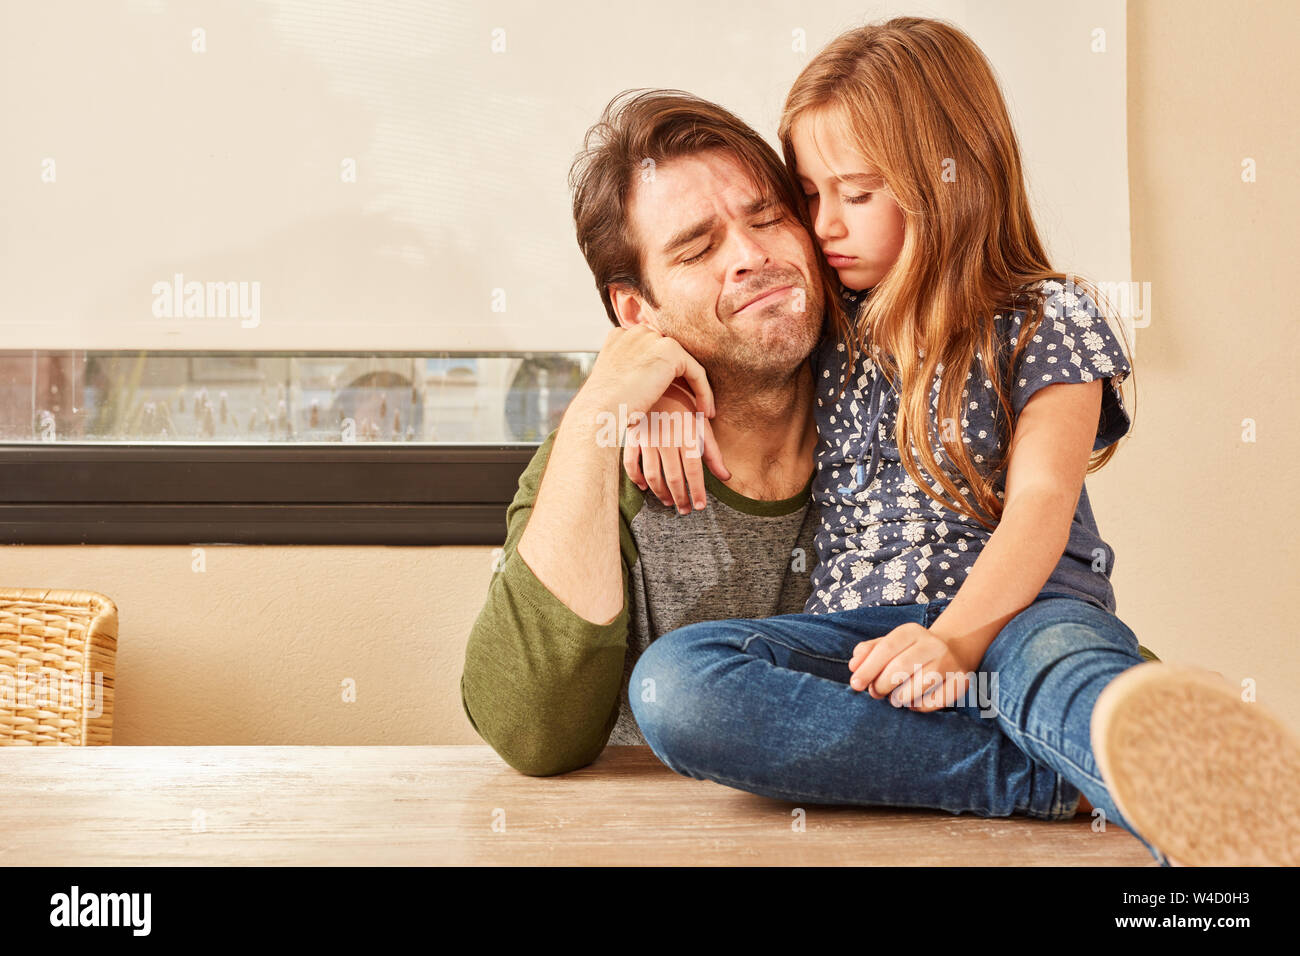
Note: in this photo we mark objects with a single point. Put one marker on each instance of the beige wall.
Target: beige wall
(1201, 520)
(254, 649)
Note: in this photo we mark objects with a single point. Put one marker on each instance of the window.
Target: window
(193, 448)
(267, 398)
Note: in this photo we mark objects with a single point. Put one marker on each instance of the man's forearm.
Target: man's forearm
(571, 542)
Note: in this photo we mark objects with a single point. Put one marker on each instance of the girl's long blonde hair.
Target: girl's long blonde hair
(917, 101)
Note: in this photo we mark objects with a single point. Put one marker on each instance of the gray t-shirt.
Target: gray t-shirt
(736, 558)
(884, 541)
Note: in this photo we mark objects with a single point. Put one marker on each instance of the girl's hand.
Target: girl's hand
(916, 667)
(668, 461)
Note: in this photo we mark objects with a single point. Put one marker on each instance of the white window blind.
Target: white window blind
(149, 140)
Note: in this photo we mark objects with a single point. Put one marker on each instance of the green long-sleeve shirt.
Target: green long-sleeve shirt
(548, 689)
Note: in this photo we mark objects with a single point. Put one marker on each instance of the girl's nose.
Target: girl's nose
(828, 223)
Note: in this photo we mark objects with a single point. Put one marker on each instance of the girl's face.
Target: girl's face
(858, 223)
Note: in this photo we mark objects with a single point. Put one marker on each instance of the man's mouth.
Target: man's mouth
(764, 298)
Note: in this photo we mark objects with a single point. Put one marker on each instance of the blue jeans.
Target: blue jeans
(764, 706)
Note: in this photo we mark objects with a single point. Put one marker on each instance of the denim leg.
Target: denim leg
(765, 706)
(1045, 671)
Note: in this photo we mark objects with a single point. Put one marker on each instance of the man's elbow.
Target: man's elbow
(546, 763)
(535, 750)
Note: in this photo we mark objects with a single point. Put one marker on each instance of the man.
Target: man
(700, 252)
(593, 568)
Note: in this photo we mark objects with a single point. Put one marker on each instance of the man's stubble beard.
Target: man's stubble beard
(736, 359)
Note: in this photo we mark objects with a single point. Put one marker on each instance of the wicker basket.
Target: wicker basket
(57, 650)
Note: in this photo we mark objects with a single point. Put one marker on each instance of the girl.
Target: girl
(950, 479)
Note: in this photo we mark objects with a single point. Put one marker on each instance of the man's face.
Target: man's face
(732, 271)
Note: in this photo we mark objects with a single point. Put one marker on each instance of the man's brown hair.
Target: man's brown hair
(638, 130)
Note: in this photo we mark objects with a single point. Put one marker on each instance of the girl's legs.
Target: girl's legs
(764, 706)
(1044, 672)
(1211, 778)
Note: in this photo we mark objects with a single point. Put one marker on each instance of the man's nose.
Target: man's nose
(749, 253)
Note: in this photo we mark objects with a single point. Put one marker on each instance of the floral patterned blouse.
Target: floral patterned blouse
(884, 541)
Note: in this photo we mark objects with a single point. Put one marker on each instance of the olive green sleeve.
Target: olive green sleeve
(542, 685)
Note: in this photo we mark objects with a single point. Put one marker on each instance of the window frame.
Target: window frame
(281, 494)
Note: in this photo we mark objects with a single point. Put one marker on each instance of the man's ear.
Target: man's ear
(630, 308)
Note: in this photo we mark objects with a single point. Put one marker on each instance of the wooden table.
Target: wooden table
(127, 806)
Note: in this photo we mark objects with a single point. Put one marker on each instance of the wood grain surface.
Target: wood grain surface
(461, 805)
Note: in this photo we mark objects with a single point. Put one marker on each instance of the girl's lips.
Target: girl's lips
(840, 261)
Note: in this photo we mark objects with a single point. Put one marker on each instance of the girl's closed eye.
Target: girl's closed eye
(851, 200)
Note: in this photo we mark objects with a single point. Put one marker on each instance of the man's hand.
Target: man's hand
(636, 366)
(916, 667)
